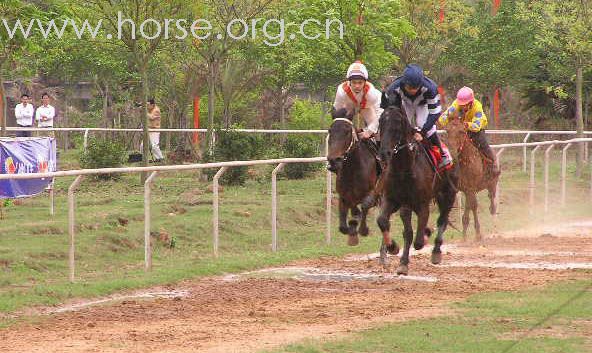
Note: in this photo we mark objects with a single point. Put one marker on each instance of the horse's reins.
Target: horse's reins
(354, 137)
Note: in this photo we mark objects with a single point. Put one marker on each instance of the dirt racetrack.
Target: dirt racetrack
(318, 298)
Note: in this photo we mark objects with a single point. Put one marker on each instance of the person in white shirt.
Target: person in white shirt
(45, 114)
(359, 96)
(24, 112)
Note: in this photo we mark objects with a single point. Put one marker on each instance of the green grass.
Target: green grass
(542, 321)
(109, 256)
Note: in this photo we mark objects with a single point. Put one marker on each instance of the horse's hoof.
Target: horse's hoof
(392, 248)
(364, 231)
(418, 245)
(344, 229)
(353, 240)
(383, 259)
(403, 270)
(437, 258)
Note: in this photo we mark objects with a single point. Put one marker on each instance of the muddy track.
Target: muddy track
(321, 298)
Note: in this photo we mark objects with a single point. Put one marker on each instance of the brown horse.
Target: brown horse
(411, 183)
(473, 173)
(355, 166)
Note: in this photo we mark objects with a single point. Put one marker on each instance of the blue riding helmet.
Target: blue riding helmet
(413, 75)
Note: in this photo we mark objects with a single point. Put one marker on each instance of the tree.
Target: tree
(15, 46)
(142, 49)
(565, 35)
(494, 51)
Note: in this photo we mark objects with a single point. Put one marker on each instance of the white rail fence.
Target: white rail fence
(222, 167)
(280, 163)
(527, 134)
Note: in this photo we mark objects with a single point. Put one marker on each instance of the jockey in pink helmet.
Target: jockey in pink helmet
(470, 111)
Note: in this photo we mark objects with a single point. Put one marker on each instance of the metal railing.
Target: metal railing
(527, 134)
(280, 163)
(154, 170)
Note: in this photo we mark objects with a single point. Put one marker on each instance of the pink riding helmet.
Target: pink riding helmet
(465, 96)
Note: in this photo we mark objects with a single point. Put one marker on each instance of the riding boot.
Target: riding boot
(446, 159)
(493, 168)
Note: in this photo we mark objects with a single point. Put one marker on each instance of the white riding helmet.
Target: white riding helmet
(357, 70)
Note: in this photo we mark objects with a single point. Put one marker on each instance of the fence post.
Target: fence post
(547, 151)
(532, 183)
(498, 189)
(215, 218)
(564, 173)
(147, 242)
(274, 238)
(71, 225)
(51, 198)
(329, 199)
(85, 144)
(524, 152)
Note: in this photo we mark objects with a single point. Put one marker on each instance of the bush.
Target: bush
(102, 153)
(305, 115)
(234, 146)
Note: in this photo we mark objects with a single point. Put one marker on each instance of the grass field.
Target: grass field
(545, 320)
(109, 218)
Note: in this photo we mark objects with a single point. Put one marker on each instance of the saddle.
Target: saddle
(435, 156)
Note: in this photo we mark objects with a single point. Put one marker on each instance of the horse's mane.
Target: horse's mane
(400, 115)
(342, 113)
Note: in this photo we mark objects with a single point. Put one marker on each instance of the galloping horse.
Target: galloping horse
(355, 165)
(411, 183)
(473, 175)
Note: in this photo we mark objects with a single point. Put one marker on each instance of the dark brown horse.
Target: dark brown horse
(473, 173)
(355, 165)
(410, 185)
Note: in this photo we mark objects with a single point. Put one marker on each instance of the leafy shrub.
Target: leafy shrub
(103, 153)
(234, 146)
(305, 115)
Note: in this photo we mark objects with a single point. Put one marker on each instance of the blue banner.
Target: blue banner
(24, 155)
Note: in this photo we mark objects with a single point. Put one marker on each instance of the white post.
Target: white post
(498, 156)
(85, 139)
(147, 242)
(532, 184)
(51, 198)
(547, 151)
(564, 173)
(329, 199)
(71, 225)
(524, 152)
(215, 218)
(274, 245)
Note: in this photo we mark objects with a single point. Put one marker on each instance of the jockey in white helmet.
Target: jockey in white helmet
(359, 96)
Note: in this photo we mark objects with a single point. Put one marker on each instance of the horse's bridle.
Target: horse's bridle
(401, 146)
(354, 136)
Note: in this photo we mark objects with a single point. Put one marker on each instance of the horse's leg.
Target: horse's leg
(474, 205)
(405, 214)
(491, 192)
(353, 227)
(363, 222)
(388, 245)
(423, 215)
(445, 200)
(466, 216)
(343, 228)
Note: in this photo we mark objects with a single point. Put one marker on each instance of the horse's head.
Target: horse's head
(342, 137)
(395, 130)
